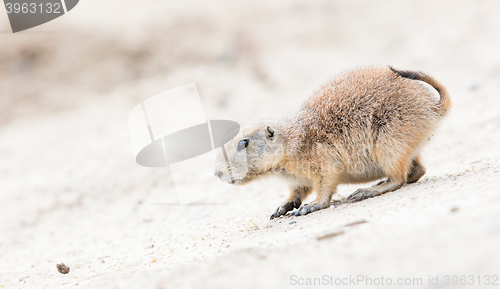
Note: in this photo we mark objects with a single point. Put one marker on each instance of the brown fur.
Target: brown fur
(364, 125)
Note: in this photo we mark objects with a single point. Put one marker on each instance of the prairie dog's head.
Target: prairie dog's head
(253, 152)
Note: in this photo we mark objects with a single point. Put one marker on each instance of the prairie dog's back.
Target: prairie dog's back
(368, 108)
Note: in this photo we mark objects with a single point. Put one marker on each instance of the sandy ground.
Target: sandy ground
(71, 192)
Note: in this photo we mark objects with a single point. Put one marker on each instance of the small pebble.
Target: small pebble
(63, 269)
(292, 222)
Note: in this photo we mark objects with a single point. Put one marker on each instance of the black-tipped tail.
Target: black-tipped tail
(445, 101)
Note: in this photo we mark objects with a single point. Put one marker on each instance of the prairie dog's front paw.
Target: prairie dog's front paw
(285, 208)
(309, 208)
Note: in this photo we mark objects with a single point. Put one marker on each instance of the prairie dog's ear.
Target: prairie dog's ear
(269, 132)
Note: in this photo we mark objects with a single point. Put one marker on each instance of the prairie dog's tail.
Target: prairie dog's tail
(444, 102)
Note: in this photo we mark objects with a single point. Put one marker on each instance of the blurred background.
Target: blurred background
(71, 192)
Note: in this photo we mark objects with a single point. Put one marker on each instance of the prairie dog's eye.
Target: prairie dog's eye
(243, 144)
(269, 132)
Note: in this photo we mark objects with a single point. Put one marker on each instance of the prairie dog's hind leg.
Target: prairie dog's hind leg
(397, 177)
(383, 187)
(417, 170)
(297, 195)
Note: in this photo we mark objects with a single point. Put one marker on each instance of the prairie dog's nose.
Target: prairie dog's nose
(219, 174)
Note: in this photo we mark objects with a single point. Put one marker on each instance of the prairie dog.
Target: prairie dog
(364, 125)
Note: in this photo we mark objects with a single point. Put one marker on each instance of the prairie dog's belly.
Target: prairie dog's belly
(360, 171)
